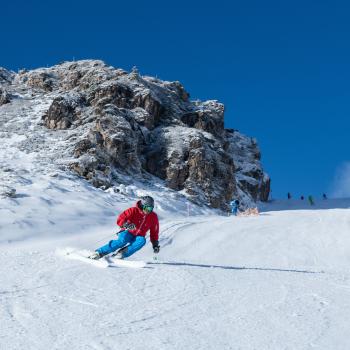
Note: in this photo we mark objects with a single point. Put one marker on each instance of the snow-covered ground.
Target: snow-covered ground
(277, 281)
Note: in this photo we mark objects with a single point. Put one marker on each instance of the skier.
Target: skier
(135, 222)
(234, 206)
(324, 196)
(302, 198)
(289, 195)
(311, 200)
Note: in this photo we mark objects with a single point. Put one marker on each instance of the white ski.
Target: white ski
(107, 261)
(79, 256)
(125, 263)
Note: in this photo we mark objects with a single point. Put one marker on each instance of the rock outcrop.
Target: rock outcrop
(64, 110)
(252, 182)
(125, 123)
(6, 76)
(5, 97)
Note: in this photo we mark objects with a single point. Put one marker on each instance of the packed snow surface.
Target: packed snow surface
(280, 280)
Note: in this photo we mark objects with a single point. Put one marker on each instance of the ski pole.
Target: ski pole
(103, 239)
(100, 240)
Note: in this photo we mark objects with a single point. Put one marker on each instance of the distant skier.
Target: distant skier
(234, 206)
(289, 195)
(311, 200)
(324, 196)
(302, 198)
(135, 222)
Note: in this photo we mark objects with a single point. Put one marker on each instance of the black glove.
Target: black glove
(129, 226)
(156, 247)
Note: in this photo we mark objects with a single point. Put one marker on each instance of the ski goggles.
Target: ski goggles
(147, 208)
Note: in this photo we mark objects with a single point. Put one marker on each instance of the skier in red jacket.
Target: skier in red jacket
(135, 222)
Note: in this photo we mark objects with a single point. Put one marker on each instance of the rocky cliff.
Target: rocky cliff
(114, 123)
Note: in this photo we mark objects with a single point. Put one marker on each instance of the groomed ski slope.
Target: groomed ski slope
(277, 281)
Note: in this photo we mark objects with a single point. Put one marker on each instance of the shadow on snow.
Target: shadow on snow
(224, 267)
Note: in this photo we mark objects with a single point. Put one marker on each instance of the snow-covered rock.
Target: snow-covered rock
(7, 191)
(252, 182)
(5, 97)
(104, 123)
(5, 76)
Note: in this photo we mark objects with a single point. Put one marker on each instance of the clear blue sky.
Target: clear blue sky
(282, 68)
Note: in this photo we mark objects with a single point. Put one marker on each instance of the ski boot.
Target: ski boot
(95, 256)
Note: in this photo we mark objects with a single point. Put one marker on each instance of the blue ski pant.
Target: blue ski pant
(234, 210)
(124, 238)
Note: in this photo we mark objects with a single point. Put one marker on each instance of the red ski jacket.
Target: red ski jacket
(141, 220)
